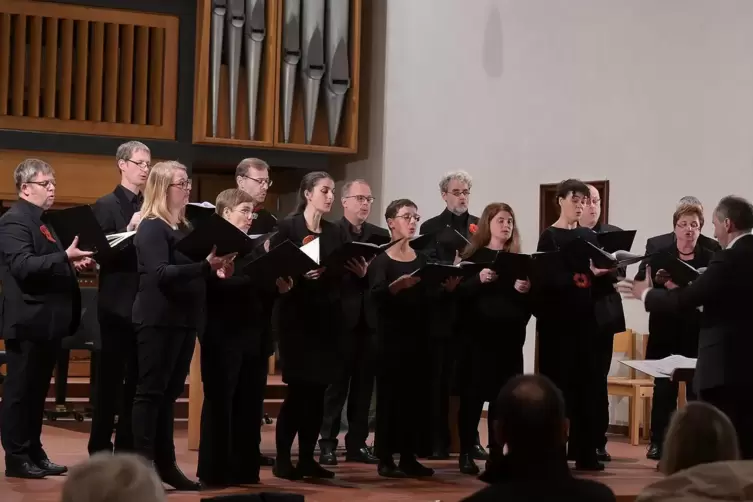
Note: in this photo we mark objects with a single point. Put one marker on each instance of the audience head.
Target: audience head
(357, 201)
(113, 478)
(402, 218)
(497, 222)
(166, 193)
(455, 188)
(252, 176)
(531, 418)
(35, 182)
(698, 434)
(592, 206)
(688, 222)
(732, 216)
(237, 207)
(571, 195)
(134, 161)
(317, 191)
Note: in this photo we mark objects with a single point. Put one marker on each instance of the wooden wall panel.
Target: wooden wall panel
(84, 70)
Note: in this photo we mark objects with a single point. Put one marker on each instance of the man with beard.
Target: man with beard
(358, 344)
(455, 188)
(252, 176)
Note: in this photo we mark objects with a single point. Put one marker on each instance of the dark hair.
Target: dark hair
(397, 205)
(484, 234)
(308, 182)
(737, 210)
(531, 414)
(571, 186)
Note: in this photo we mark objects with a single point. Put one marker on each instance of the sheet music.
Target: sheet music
(205, 204)
(116, 239)
(661, 368)
(312, 250)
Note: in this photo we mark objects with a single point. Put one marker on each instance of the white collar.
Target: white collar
(732, 242)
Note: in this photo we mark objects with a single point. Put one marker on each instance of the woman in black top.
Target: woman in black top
(403, 378)
(567, 324)
(306, 320)
(674, 333)
(494, 314)
(166, 313)
(235, 347)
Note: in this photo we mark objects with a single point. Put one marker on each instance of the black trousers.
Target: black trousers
(164, 358)
(663, 404)
(356, 387)
(603, 353)
(116, 374)
(301, 414)
(442, 360)
(234, 381)
(29, 366)
(737, 403)
(469, 416)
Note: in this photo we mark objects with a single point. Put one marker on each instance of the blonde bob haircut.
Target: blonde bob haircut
(155, 193)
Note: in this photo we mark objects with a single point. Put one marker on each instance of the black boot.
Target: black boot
(284, 469)
(173, 476)
(467, 465)
(653, 452)
(327, 455)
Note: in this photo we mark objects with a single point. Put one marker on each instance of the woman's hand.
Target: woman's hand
(450, 284)
(227, 270)
(403, 282)
(284, 285)
(314, 274)
(522, 286)
(457, 259)
(359, 266)
(217, 262)
(598, 272)
(487, 275)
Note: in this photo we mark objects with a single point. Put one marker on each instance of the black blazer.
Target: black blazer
(355, 301)
(725, 291)
(41, 299)
(667, 241)
(462, 223)
(264, 222)
(172, 288)
(118, 276)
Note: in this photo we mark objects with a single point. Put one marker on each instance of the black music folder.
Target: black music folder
(545, 267)
(446, 236)
(512, 265)
(617, 240)
(379, 239)
(284, 260)
(78, 221)
(335, 262)
(196, 212)
(436, 273)
(601, 259)
(680, 272)
(215, 231)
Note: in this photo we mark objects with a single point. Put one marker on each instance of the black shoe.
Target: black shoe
(413, 469)
(49, 468)
(173, 476)
(310, 469)
(284, 469)
(25, 469)
(602, 455)
(654, 452)
(592, 465)
(441, 454)
(363, 456)
(467, 465)
(388, 469)
(327, 456)
(479, 453)
(266, 461)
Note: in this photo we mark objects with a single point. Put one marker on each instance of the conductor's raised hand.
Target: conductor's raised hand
(284, 285)
(359, 266)
(450, 284)
(403, 282)
(314, 274)
(74, 254)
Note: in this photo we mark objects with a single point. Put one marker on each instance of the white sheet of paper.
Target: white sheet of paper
(204, 204)
(661, 368)
(312, 250)
(116, 239)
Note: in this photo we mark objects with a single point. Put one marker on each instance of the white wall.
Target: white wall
(656, 96)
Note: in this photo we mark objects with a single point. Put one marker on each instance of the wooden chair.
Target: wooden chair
(637, 387)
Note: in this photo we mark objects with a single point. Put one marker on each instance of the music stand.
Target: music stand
(682, 376)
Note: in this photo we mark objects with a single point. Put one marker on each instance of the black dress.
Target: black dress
(403, 363)
(493, 323)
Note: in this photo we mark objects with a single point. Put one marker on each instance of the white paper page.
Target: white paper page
(673, 362)
(312, 250)
(647, 367)
(205, 204)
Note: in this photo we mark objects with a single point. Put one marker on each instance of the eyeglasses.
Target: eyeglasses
(44, 183)
(684, 226)
(262, 181)
(183, 185)
(592, 202)
(408, 217)
(143, 165)
(245, 211)
(458, 193)
(361, 198)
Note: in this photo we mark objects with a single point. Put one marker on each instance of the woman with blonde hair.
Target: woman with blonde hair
(494, 314)
(167, 315)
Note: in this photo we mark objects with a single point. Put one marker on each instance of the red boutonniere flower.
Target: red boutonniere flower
(308, 239)
(582, 280)
(46, 233)
(472, 228)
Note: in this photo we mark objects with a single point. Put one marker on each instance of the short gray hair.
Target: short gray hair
(349, 184)
(460, 176)
(126, 150)
(113, 478)
(251, 162)
(689, 200)
(27, 170)
(738, 210)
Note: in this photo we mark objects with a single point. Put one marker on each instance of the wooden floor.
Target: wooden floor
(65, 442)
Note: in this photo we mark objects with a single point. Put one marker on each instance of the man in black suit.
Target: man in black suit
(41, 304)
(724, 292)
(252, 176)
(358, 343)
(455, 189)
(532, 423)
(116, 371)
(610, 317)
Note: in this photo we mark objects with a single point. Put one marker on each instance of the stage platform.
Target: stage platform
(65, 442)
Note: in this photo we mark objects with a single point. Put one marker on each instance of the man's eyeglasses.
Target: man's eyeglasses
(458, 193)
(44, 183)
(143, 165)
(262, 181)
(408, 217)
(361, 198)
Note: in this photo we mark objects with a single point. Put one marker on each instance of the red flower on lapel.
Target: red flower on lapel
(581, 281)
(472, 228)
(308, 239)
(46, 233)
